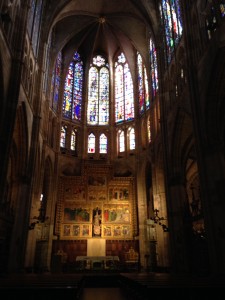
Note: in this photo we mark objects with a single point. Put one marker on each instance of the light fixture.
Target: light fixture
(41, 217)
(102, 20)
(157, 220)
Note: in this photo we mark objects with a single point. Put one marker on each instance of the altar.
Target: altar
(98, 262)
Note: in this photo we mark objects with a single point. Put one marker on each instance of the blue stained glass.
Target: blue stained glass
(92, 112)
(56, 77)
(77, 91)
(222, 8)
(154, 68)
(168, 28)
(73, 89)
(171, 15)
(68, 89)
(176, 19)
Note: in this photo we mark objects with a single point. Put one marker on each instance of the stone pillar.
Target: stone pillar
(177, 227)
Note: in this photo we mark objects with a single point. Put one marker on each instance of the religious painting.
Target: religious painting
(118, 194)
(77, 214)
(116, 214)
(66, 230)
(126, 231)
(76, 230)
(100, 195)
(97, 180)
(117, 231)
(74, 192)
(107, 231)
(85, 230)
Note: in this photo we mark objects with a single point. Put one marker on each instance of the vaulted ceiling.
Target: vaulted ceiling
(102, 26)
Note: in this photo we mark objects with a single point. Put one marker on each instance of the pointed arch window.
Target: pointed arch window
(103, 144)
(91, 143)
(121, 140)
(98, 92)
(172, 21)
(153, 68)
(31, 15)
(222, 8)
(143, 91)
(34, 19)
(149, 130)
(73, 141)
(211, 22)
(46, 64)
(56, 82)
(63, 136)
(131, 138)
(73, 89)
(124, 95)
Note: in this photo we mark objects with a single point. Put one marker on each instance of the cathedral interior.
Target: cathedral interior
(112, 136)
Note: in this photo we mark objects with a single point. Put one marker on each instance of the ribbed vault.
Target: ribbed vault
(101, 26)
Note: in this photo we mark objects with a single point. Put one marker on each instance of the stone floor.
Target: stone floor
(119, 286)
(102, 294)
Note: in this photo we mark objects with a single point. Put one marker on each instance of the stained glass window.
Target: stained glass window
(56, 82)
(63, 136)
(121, 140)
(73, 139)
(124, 95)
(91, 143)
(31, 17)
(73, 89)
(147, 100)
(153, 67)
(213, 21)
(103, 143)
(98, 92)
(131, 138)
(207, 25)
(142, 85)
(171, 16)
(222, 8)
(46, 66)
(34, 19)
(149, 130)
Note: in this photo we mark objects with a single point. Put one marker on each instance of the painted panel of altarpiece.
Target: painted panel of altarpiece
(95, 205)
